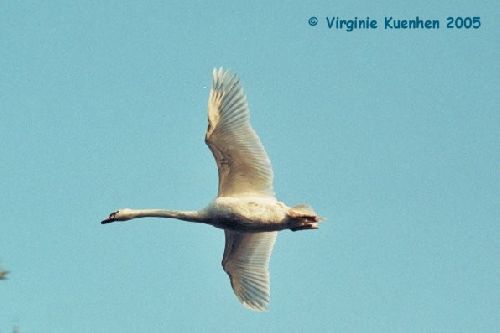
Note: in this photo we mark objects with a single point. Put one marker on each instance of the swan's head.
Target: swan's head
(124, 214)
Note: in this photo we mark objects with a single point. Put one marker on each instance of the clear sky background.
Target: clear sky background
(391, 135)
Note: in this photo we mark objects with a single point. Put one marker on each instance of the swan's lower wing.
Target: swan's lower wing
(246, 261)
(244, 167)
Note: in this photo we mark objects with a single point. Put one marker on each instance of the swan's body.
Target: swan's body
(251, 214)
(246, 207)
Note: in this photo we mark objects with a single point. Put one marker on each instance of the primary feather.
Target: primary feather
(243, 165)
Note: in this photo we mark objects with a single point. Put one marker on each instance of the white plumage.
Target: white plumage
(244, 167)
(245, 207)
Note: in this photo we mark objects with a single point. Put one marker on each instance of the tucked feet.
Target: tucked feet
(303, 224)
(303, 212)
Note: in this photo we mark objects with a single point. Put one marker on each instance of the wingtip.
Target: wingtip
(217, 71)
(255, 307)
(220, 72)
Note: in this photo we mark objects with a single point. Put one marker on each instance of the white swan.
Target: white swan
(245, 207)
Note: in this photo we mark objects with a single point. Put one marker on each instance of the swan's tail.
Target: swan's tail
(303, 217)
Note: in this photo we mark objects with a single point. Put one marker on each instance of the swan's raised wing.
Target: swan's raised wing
(244, 167)
(246, 261)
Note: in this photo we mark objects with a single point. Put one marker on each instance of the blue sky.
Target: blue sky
(391, 135)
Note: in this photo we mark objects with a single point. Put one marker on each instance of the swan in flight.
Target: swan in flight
(246, 207)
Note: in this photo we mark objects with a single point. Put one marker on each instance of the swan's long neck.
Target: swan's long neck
(191, 216)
